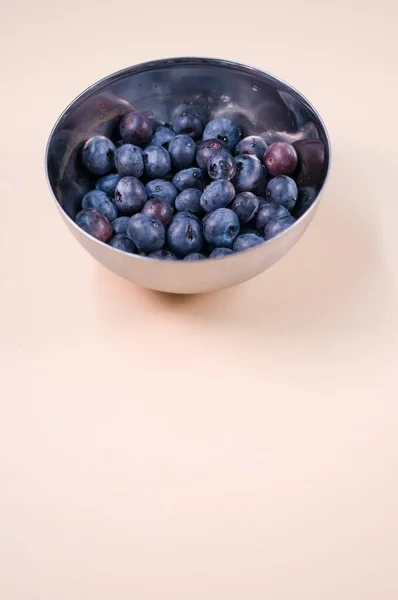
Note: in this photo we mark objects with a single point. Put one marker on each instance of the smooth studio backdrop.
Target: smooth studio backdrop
(241, 445)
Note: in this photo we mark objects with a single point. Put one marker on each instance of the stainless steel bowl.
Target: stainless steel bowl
(259, 102)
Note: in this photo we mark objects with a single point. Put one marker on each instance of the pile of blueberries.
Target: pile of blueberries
(188, 190)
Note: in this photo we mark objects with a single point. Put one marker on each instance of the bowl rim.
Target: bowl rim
(169, 62)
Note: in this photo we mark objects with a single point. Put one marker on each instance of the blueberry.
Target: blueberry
(185, 236)
(192, 109)
(245, 205)
(250, 173)
(305, 199)
(245, 241)
(120, 225)
(182, 150)
(164, 189)
(282, 190)
(108, 183)
(128, 160)
(162, 137)
(130, 195)
(189, 200)
(147, 232)
(194, 256)
(276, 226)
(280, 159)
(122, 242)
(188, 124)
(206, 149)
(100, 201)
(217, 195)
(221, 165)
(159, 208)
(223, 129)
(221, 228)
(186, 214)
(252, 144)
(250, 228)
(98, 155)
(270, 211)
(94, 223)
(162, 255)
(261, 201)
(135, 128)
(221, 252)
(189, 178)
(157, 162)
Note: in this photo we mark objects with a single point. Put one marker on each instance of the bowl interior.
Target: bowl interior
(257, 101)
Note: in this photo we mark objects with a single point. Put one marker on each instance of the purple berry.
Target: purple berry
(206, 149)
(94, 223)
(280, 159)
(159, 208)
(135, 128)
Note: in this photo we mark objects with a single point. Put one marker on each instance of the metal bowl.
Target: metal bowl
(257, 101)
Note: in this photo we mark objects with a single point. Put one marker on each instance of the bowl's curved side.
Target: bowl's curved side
(192, 277)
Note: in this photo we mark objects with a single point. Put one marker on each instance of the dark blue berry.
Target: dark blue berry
(276, 226)
(305, 199)
(162, 188)
(250, 173)
(122, 242)
(221, 228)
(223, 129)
(282, 190)
(108, 183)
(182, 150)
(100, 201)
(221, 252)
(162, 136)
(189, 178)
(157, 162)
(185, 236)
(217, 195)
(252, 144)
(194, 256)
(120, 225)
(270, 211)
(245, 205)
(98, 154)
(130, 195)
(129, 161)
(188, 124)
(147, 232)
(162, 255)
(221, 165)
(245, 241)
(189, 200)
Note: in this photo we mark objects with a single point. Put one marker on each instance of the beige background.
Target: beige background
(241, 445)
